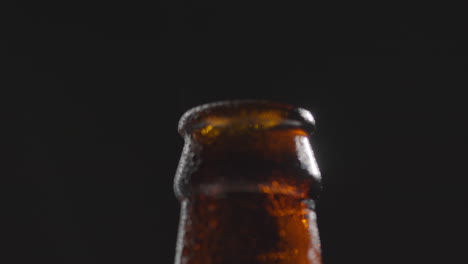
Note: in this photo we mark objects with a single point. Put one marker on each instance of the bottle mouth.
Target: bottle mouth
(252, 114)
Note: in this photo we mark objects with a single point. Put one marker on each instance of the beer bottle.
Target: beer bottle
(247, 181)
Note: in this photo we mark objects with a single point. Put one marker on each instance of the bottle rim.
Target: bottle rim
(289, 116)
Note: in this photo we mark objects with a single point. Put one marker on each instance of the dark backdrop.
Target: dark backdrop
(91, 94)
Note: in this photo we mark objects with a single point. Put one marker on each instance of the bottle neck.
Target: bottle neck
(246, 169)
(247, 228)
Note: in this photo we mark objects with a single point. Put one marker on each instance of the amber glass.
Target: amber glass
(247, 181)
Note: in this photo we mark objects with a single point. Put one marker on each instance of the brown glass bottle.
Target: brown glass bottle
(247, 181)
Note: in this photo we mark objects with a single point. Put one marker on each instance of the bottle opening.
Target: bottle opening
(243, 115)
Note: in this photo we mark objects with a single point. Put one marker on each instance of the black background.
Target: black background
(91, 93)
